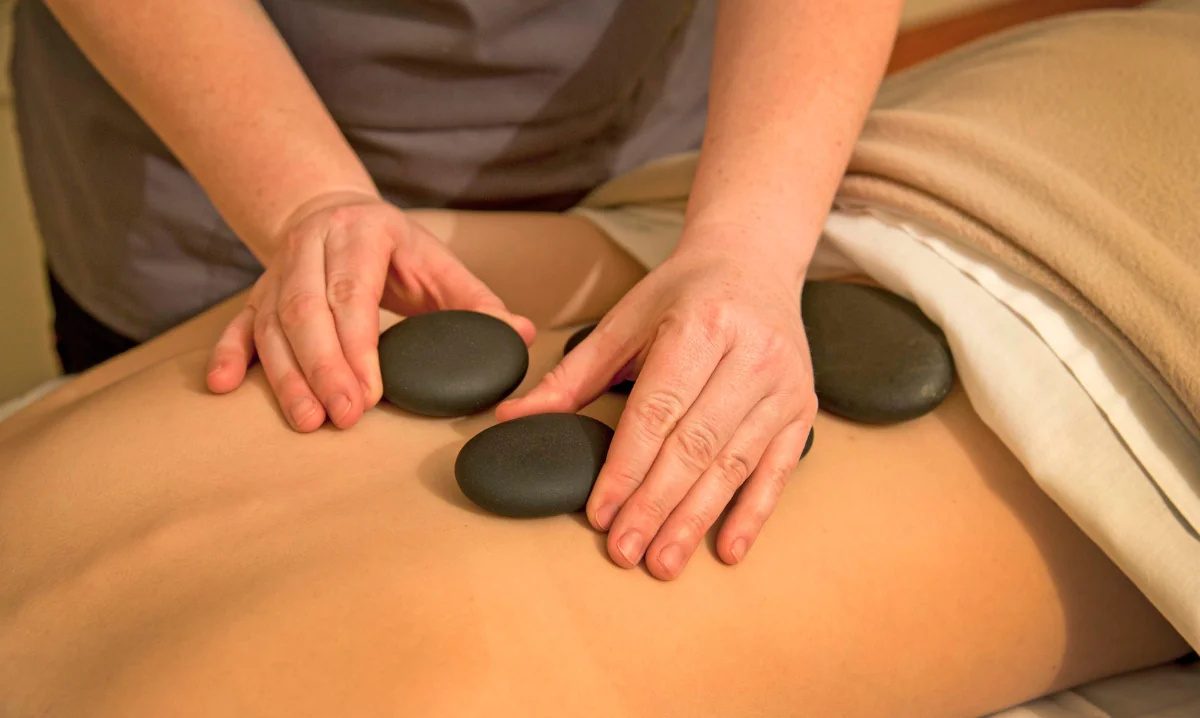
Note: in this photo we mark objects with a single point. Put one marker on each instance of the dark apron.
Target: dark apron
(482, 104)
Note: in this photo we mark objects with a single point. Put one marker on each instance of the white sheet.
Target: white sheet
(1027, 394)
(11, 407)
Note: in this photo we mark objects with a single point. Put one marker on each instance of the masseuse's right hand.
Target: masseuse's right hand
(313, 317)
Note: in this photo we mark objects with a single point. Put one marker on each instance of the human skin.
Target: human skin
(792, 81)
(724, 399)
(165, 551)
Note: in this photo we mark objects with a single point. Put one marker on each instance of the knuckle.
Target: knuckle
(294, 240)
(344, 216)
(321, 372)
(557, 379)
(653, 509)
(346, 290)
(299, 309)
(659, 412)
(478, 297)
(227, 350)
(254, 303)
(776, 483)
(713, 320)
(291, 383)
(693, 525)
(770, 353)
(556, 376)
(776, 347)
(697, 444)
(262, 325)
(696, 322)
(622, 480)
(732, 469)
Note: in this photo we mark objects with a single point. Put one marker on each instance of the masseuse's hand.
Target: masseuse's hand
(723, 401)
(313, 316)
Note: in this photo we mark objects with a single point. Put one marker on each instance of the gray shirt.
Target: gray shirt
(485, 104)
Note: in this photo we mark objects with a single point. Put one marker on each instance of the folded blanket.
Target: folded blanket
(1069, 151)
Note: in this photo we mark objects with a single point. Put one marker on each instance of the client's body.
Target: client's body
(164, 551)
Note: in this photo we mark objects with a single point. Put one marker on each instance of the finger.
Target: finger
(438, 280)
(681, 361)
(683, 531)
(584, 374)
(232, 354)
(466, 291)
(300, 406)
(689, 450)
(308, 326)
(759, 497)
(355, 272)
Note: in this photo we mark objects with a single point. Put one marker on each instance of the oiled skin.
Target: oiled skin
(164, 551)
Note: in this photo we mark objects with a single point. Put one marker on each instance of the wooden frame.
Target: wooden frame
(927, 41)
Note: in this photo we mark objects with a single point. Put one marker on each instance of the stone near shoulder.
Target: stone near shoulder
(877, 359)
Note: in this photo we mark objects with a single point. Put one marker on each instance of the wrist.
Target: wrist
(325, 200)
(785, 245)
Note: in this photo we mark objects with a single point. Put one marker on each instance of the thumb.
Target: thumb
(417, 286)
(584, 374)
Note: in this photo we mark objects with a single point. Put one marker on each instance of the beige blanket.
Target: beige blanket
(1070, 151)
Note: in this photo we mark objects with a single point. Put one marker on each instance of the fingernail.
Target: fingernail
(738, 549)
(671, 558)
(216, 368)
(339, 406)
(605, 516)
(302, 408)
(631, 546)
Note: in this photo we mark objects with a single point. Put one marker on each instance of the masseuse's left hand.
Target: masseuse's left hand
(723, 401)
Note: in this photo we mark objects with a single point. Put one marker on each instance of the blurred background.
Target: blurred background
(26, 343)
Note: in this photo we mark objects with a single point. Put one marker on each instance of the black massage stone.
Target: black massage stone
(451, 363)
(541, 465)
(623, 387)
(877, 359)
(812, 434)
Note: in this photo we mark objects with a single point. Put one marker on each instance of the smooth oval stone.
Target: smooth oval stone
(812, 435)
(540, 465)
(877, 359)
(623, 387)
(451, 363)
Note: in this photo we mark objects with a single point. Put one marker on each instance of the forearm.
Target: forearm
(220, 87)
(792, 83)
